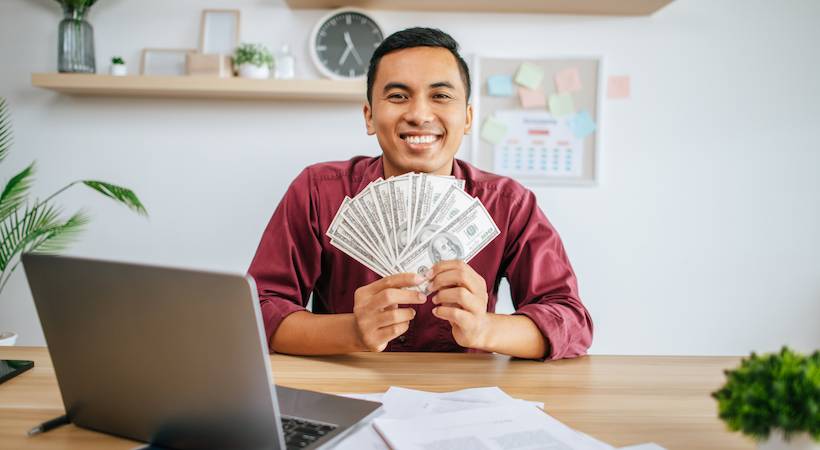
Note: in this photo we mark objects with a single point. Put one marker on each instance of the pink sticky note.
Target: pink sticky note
(568, 80)
(617, 86)
(532, 98)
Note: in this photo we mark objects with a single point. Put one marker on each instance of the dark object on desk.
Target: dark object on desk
(10, 368)
(49, 425)
(180, 358)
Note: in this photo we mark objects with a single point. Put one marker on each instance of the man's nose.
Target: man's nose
(419, 112)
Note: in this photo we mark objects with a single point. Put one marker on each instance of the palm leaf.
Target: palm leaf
(14, 194)
(5, 130)
(20, 231)
(60, 236)
(118, 193)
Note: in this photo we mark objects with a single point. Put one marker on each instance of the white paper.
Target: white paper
(403, 403)
(647, 446)
(511, 425)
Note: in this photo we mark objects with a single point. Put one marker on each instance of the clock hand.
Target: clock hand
(344, 55)
(352, 48)
(356, 55)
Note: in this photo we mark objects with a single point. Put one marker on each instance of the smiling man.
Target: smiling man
(418, 91)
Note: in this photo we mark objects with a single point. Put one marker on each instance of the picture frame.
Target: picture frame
(219, 31)
(164, 61)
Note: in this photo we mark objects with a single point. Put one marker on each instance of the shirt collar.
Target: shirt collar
(374, 169)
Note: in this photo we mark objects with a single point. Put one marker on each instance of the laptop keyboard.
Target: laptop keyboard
(299, 432)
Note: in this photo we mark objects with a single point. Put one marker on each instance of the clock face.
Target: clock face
(343, 44)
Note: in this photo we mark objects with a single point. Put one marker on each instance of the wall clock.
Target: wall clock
(342, 43)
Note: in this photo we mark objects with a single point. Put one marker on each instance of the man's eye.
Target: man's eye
(396, 96)
(442, 96)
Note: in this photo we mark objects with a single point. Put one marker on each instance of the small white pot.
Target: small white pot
(119, 70)
(7, 338)
(800, 441)
(248, 70)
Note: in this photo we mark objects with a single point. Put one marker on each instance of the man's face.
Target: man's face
(419, 110)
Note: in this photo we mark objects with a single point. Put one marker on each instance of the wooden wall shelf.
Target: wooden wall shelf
(201, 87)
(586, 7)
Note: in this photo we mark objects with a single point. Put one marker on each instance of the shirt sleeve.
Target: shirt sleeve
(288, 260)
(542, 282)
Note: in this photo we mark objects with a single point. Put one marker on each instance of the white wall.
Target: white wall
(703, 237)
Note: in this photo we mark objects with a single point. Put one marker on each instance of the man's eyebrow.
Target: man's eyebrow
(395, 85)
(444, 84)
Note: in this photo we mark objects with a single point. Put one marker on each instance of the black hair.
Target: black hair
(416, 37)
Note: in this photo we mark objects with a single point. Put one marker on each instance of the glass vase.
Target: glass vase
(75, 53)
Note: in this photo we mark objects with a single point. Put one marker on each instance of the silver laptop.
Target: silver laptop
(176, 358)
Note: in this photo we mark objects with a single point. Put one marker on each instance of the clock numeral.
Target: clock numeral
(348, 19)
(352, 73)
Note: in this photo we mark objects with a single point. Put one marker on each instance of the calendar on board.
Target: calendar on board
(537, 144)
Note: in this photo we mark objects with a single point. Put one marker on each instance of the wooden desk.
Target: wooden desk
(621, 400)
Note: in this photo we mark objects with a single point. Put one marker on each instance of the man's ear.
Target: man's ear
(368, 119)
(468, 125)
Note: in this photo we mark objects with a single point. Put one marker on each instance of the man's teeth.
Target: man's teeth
(420, 139)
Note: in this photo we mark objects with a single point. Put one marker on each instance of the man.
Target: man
(418, 90)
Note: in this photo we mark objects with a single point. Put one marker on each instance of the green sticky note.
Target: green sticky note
(561, 104)
(529, 75)
(493, 130)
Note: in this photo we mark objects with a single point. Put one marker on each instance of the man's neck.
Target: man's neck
(393, 171)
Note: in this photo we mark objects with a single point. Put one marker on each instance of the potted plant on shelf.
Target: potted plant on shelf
(35, 225)
(118, 67)
(775, 399)
(253, 61)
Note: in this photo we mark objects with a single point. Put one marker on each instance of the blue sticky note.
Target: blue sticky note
(500, 86)
(581, 124)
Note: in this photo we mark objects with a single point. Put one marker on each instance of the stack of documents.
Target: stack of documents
(410, 222)
(480, 418)
(474, 419)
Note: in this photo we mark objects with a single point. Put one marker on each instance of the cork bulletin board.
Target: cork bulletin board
(550, 138)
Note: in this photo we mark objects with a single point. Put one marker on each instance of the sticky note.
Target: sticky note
(529, 75)
(500, 86)
(617, 86)
(568, 80)
(581, 124)
(561, 104)
(532, 98)
(493, 130)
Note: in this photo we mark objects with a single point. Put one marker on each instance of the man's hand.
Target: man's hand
(461, 296)
(376, 309)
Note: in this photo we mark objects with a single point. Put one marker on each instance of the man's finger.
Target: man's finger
(461, 297)
(392, 282)
(390, 297)
(457, 273)
(393, 316)
(455, 316)
(391, 332)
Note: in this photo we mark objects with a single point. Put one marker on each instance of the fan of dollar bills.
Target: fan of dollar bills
(410, 222)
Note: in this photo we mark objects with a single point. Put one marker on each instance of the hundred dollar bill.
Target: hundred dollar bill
(433, 187)
(450, 205)
(344, 241)
(381, 191)
(370, 206)
(398, 192)
(462, 238)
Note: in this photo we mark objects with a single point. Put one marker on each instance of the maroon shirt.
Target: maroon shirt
(295, 259)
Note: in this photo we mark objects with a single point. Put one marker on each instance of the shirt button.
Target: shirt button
(402, 339)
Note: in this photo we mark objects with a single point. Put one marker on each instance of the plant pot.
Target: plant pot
(800, 441)
(7, 338)
(119, 70)
(256, 72)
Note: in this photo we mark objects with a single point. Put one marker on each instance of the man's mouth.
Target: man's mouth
(420, 139)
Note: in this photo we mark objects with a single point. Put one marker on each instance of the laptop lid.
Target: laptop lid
(173, 357)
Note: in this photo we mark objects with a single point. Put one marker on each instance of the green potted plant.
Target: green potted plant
(33, 225)
(253, 61)
(775, 399)
(118, 67)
